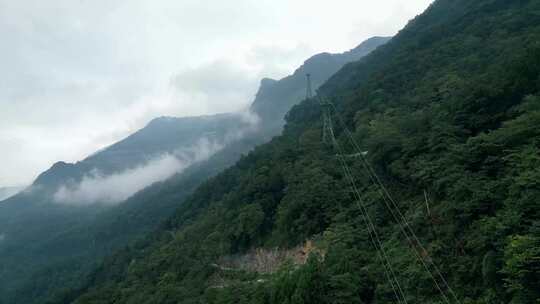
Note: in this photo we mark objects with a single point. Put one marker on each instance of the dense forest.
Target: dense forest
(446, 114)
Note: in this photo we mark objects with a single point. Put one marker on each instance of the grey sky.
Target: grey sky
(78, 75)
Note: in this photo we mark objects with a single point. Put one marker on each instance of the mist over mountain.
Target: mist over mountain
(443, 207)
(168, 136)
(6, 192)
(162, 136)
(74, 214)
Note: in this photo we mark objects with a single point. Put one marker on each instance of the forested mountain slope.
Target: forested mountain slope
(448, 113)
(47, 244)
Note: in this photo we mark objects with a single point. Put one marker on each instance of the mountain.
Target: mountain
(274, 98)
(429, 194)
(74, 214)
(43, 230)
(164, 135)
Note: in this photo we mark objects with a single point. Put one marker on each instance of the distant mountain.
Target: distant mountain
(164, 135)
(47, 244)
(6, 192)
(276, 97)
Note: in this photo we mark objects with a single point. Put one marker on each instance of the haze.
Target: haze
(79, 75)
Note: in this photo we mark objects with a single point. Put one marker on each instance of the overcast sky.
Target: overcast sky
(78, 75)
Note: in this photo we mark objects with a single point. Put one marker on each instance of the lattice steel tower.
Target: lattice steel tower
(326, 107)
(328, 130)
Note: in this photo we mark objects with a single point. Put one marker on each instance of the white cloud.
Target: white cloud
(115, 188)
(112, 189)
(9, 192)
(79, 75)
(118, 187)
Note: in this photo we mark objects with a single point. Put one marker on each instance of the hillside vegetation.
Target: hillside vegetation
(448, 112)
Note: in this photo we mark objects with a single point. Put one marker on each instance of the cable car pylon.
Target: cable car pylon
(328, 136)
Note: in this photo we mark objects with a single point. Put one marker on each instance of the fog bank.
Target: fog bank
(115, 188)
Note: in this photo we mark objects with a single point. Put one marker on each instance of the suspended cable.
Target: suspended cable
(400, 218)
(381, 252)
(374, 237)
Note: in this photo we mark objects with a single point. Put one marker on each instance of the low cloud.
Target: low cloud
(116, 188)
(9, 191)
(251, 121)
(112, 189)
(79, 75)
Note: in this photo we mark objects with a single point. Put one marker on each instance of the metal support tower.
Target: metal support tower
(309, 90)
(328, 130)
